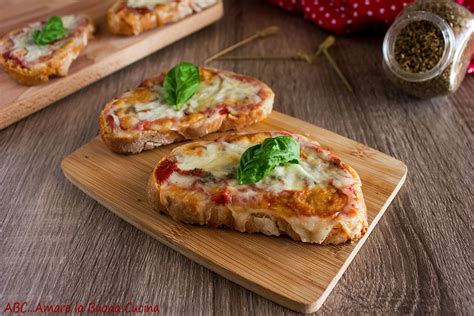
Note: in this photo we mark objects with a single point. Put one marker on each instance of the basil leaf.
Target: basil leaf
(248, 171)
(180, 84)
(51, 31)
(259, 160)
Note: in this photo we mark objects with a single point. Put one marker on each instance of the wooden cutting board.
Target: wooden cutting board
(294, 274)
(105, 54)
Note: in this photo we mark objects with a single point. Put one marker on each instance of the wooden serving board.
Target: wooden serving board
(105, 53)
(294, 274)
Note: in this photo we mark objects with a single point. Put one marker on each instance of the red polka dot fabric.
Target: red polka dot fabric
(347, 16)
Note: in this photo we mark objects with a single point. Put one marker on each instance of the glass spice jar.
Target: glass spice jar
(428, 48)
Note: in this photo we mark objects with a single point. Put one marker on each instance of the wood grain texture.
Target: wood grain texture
(296, 275)
(105, 54)
(60, 246)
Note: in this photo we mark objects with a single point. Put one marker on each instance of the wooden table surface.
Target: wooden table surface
(59, 246)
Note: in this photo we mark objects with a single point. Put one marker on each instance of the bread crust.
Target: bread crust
(126, 22)
(123, 20)
(195, 208)
(57, 65)
(149, 139)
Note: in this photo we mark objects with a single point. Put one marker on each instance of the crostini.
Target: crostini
(32, 54)
(145, 117)
(132, 17)
(270, 182)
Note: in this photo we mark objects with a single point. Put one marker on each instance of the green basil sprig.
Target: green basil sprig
(257, 161)
(180, 84)
(51, 31)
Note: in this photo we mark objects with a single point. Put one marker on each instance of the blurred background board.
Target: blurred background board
(105, 53)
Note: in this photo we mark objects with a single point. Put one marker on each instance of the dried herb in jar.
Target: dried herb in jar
(428, 48)
(419, 46)
(458, 17)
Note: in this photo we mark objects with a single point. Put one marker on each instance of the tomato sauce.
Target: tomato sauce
(224, 111)
(164, 170)
(222, 198)
(111, 122)
(193, 172)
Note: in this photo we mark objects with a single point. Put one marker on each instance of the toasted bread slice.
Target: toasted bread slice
(318, 200)
(132, 17)
(31, 64)
(140, 119)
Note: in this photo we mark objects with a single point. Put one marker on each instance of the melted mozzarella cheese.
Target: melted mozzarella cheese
(210, 93)
(291, 177)
(222, 160)
(69, 22)
(219, 159)
(23, 43)
(171, 12)
(145, 3)
(201, 4)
